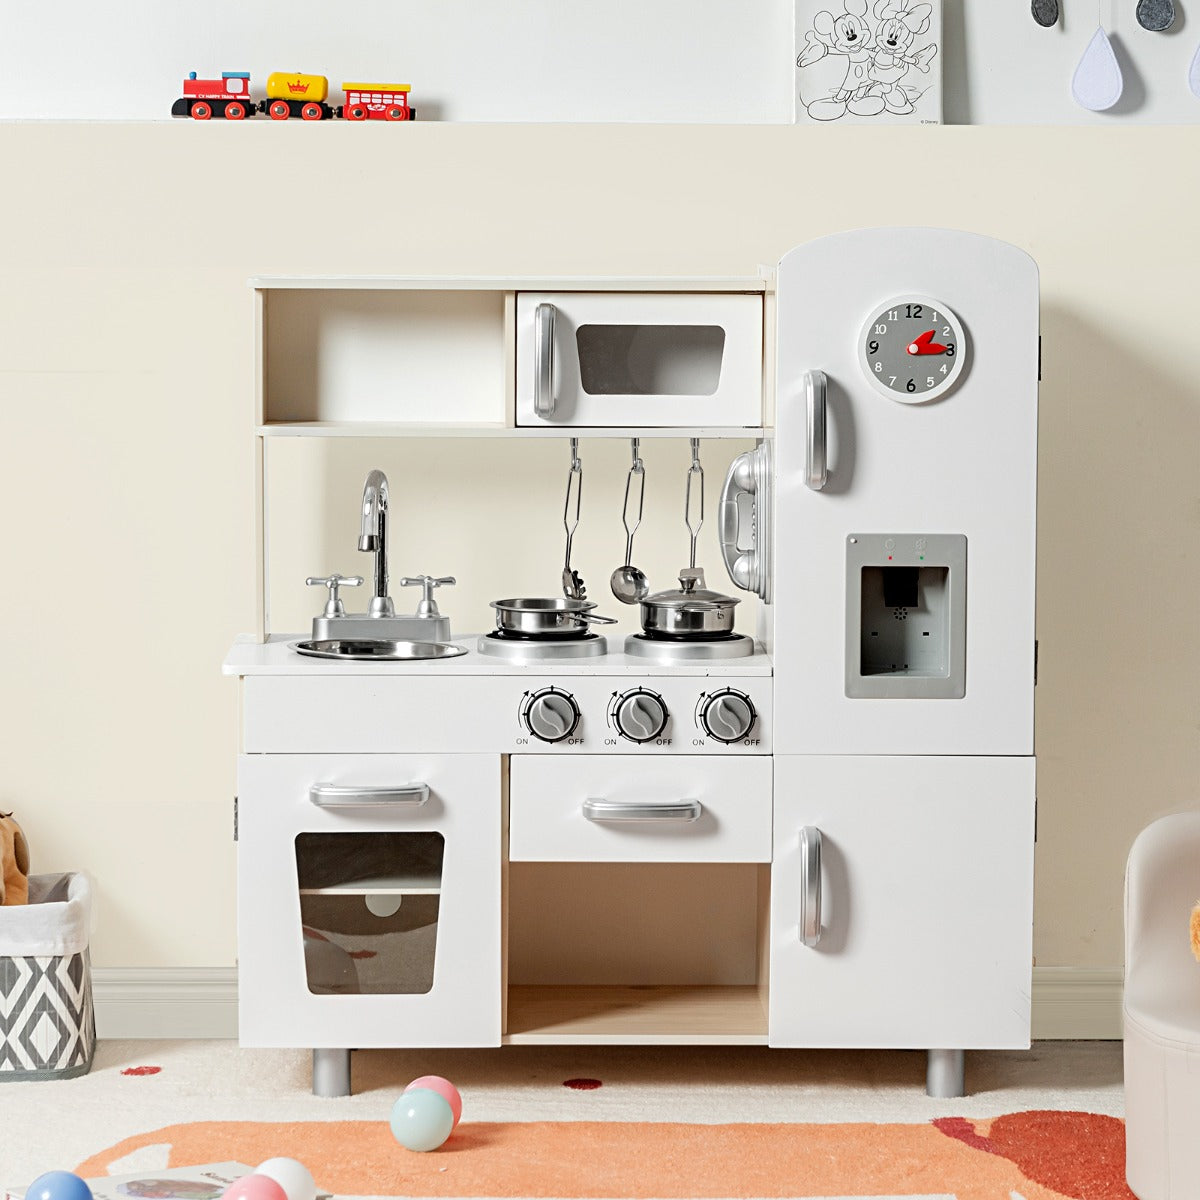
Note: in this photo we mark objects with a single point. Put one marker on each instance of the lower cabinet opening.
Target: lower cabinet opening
(637, 952)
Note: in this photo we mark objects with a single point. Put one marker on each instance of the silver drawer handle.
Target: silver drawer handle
(614, 810)
(810, 885)
(338, 795)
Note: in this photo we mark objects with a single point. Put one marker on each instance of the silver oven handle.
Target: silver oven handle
(816, 471)
(543, 357)
(601, 810)
(337, 795)
(810, 885)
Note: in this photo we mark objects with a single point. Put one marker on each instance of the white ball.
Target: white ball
(291, 1175)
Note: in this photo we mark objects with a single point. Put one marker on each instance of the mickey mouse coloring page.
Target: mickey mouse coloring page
(868, 61)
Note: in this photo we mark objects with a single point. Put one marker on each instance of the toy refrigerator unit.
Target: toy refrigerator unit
(903, 618)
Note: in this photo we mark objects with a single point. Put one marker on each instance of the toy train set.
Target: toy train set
(291, 95)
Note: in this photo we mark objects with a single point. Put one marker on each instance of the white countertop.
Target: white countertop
(276, 657)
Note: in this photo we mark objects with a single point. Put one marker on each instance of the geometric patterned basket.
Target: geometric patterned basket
(47, 1025)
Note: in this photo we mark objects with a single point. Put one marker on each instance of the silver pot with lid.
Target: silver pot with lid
(691, 611)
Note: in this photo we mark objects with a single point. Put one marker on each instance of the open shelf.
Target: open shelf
(407, 883)
(378, 429)
(662, 1015)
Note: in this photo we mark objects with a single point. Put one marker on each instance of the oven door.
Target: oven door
(369, 900)
(653, 359)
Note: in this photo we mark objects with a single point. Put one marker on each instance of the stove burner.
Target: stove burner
(657, 635)
(667, 650)
(530, 648)
(545, 639)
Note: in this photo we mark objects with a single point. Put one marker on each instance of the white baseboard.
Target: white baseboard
(1068, 1003)
(169, 1002)
(1077, 1002)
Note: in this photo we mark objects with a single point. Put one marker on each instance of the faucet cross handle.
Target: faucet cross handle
(334, 606)
(428, 606)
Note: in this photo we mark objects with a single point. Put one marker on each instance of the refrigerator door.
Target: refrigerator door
(902, 902)
(906, 458)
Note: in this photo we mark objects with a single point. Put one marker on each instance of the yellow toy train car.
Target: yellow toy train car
(290, 94)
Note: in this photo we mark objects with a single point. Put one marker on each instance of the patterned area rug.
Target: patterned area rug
(1035, 1155)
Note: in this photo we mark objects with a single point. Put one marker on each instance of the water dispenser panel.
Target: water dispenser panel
(906, 616)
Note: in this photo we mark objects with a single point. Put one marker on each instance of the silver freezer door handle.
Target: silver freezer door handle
(602, 811)
(543, 353)
(337, 795)
(816, 464)
(810, 885)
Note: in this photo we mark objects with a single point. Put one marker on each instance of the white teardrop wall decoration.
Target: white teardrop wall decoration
(1098, 82)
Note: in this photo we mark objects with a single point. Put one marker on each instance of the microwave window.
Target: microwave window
(650, 360)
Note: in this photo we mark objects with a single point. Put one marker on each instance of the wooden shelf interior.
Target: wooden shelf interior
(695, 973)
(385, 357)
(680, 1015)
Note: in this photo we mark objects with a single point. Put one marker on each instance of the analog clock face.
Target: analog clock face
(913, 349)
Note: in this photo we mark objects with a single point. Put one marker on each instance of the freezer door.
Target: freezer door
(902, 902)
(905, 521)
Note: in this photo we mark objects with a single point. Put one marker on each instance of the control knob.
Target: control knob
(550, 715)
(639, 715)
(727, 716)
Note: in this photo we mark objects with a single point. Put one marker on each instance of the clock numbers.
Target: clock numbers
(912, 349)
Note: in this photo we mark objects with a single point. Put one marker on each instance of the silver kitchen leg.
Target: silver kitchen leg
(944, 1074)
(331, 1072)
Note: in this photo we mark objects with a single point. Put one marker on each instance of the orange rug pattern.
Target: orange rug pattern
(1037, 1155)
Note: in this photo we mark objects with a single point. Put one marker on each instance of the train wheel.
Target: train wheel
(356, 112)
(235, 110)
(201, 110)
(279, 110)
(311, 112)
(396, 112)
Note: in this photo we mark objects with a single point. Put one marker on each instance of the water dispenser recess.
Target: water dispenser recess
(906, 616)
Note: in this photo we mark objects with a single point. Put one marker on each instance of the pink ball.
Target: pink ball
(254, 1187)
(445, 1089)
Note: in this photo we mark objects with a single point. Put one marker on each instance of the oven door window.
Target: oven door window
(650, 360)
(369, 905)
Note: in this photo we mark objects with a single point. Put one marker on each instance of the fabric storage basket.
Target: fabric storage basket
(47, 1025)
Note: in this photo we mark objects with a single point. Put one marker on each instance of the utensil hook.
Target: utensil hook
(695, 475)
(638, 470)
(574, 484)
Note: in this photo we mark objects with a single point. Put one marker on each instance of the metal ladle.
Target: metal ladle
(629, 584)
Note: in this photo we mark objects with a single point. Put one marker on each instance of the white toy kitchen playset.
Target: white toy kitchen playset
(819, 836)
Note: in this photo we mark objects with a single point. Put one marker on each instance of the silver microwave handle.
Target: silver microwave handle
(543, 358)
(816, 465)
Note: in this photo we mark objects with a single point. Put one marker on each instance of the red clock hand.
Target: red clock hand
(924, 344)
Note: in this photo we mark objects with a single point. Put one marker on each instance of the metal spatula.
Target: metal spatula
(572, 584)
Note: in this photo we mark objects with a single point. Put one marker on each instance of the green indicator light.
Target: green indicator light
(921, 557)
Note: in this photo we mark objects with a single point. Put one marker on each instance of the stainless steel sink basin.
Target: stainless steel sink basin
(378, 650)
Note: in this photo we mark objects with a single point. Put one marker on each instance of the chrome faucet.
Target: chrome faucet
(373, 539)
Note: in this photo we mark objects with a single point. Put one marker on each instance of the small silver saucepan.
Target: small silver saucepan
(691, 612)
(548, 617)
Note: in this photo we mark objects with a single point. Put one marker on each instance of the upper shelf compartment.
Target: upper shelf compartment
(336, 357)
(402, 357)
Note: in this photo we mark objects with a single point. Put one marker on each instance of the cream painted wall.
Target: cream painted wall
(126, 364)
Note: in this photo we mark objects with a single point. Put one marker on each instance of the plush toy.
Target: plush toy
(1196, 931)
(14, 859)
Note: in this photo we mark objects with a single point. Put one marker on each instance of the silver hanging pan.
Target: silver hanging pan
(546, 617)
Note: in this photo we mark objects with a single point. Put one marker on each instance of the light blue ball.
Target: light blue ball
(421, 1120)
(58, 1185)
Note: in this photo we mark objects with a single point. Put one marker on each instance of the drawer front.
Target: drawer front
(653, 359)
(369, 900)
(591, 809)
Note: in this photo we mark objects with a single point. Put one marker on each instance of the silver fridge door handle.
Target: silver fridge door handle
(600, 810)
(810, 885)
(337, 795)
(816, 471)
(543, 354)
